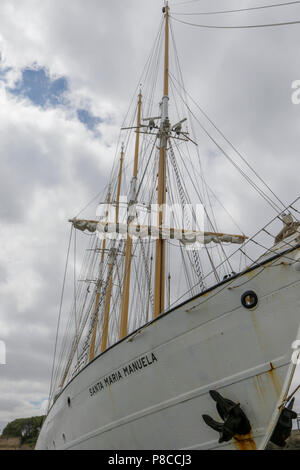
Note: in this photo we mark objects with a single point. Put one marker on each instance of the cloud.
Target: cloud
(88, 119)
(71, 68)
(37, 85)
(50, 166)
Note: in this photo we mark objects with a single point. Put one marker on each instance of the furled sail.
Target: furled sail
(144, 231)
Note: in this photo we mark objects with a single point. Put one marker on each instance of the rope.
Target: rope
(252, 183)
(205, 188)
(292, 394)
(59, 314)
(232, 146)
(238, 10)
(269, 25)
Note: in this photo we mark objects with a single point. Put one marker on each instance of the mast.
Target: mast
(107, 300)
(111, 260)
(98, 292)
(159, 286)
(164, 134)
(128, 250)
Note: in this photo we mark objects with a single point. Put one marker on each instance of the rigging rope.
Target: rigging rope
(268, 25)
(205, 188)
(184, 202)
(228, 141)
(145, 72)
(143, 283)
(75, 288)
(248, 179)
(274, 5)
(59, 314)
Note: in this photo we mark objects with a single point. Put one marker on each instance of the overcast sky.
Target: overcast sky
(68, 70)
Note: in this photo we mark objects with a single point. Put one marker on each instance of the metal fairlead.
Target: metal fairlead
(235, 420)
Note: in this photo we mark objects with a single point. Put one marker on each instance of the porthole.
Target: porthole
(249, 299)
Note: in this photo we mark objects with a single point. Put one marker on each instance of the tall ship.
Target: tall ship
(180, 334)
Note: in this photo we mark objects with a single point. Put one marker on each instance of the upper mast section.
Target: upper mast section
(166, 67)
(160, 255)
(165, 98)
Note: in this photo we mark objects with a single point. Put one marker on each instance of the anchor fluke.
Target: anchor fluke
(235, 420)
(225, 434)
(224, 405)
(284, 425)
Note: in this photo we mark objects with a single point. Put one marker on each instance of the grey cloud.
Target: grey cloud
(242, 79)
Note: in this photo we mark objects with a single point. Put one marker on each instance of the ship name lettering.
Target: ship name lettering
(114, 377)
(134, 366)
(96, 388)
(140, 363)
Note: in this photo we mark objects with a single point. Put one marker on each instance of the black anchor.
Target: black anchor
(235, 420)
(284, 425)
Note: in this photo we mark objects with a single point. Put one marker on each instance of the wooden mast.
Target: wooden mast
(159, 285)
(98, 292)
(128, 250)
(111, 261)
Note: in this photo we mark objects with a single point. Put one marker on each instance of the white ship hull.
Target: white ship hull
(208, 343)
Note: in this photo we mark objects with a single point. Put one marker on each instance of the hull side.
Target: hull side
(210, 342)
